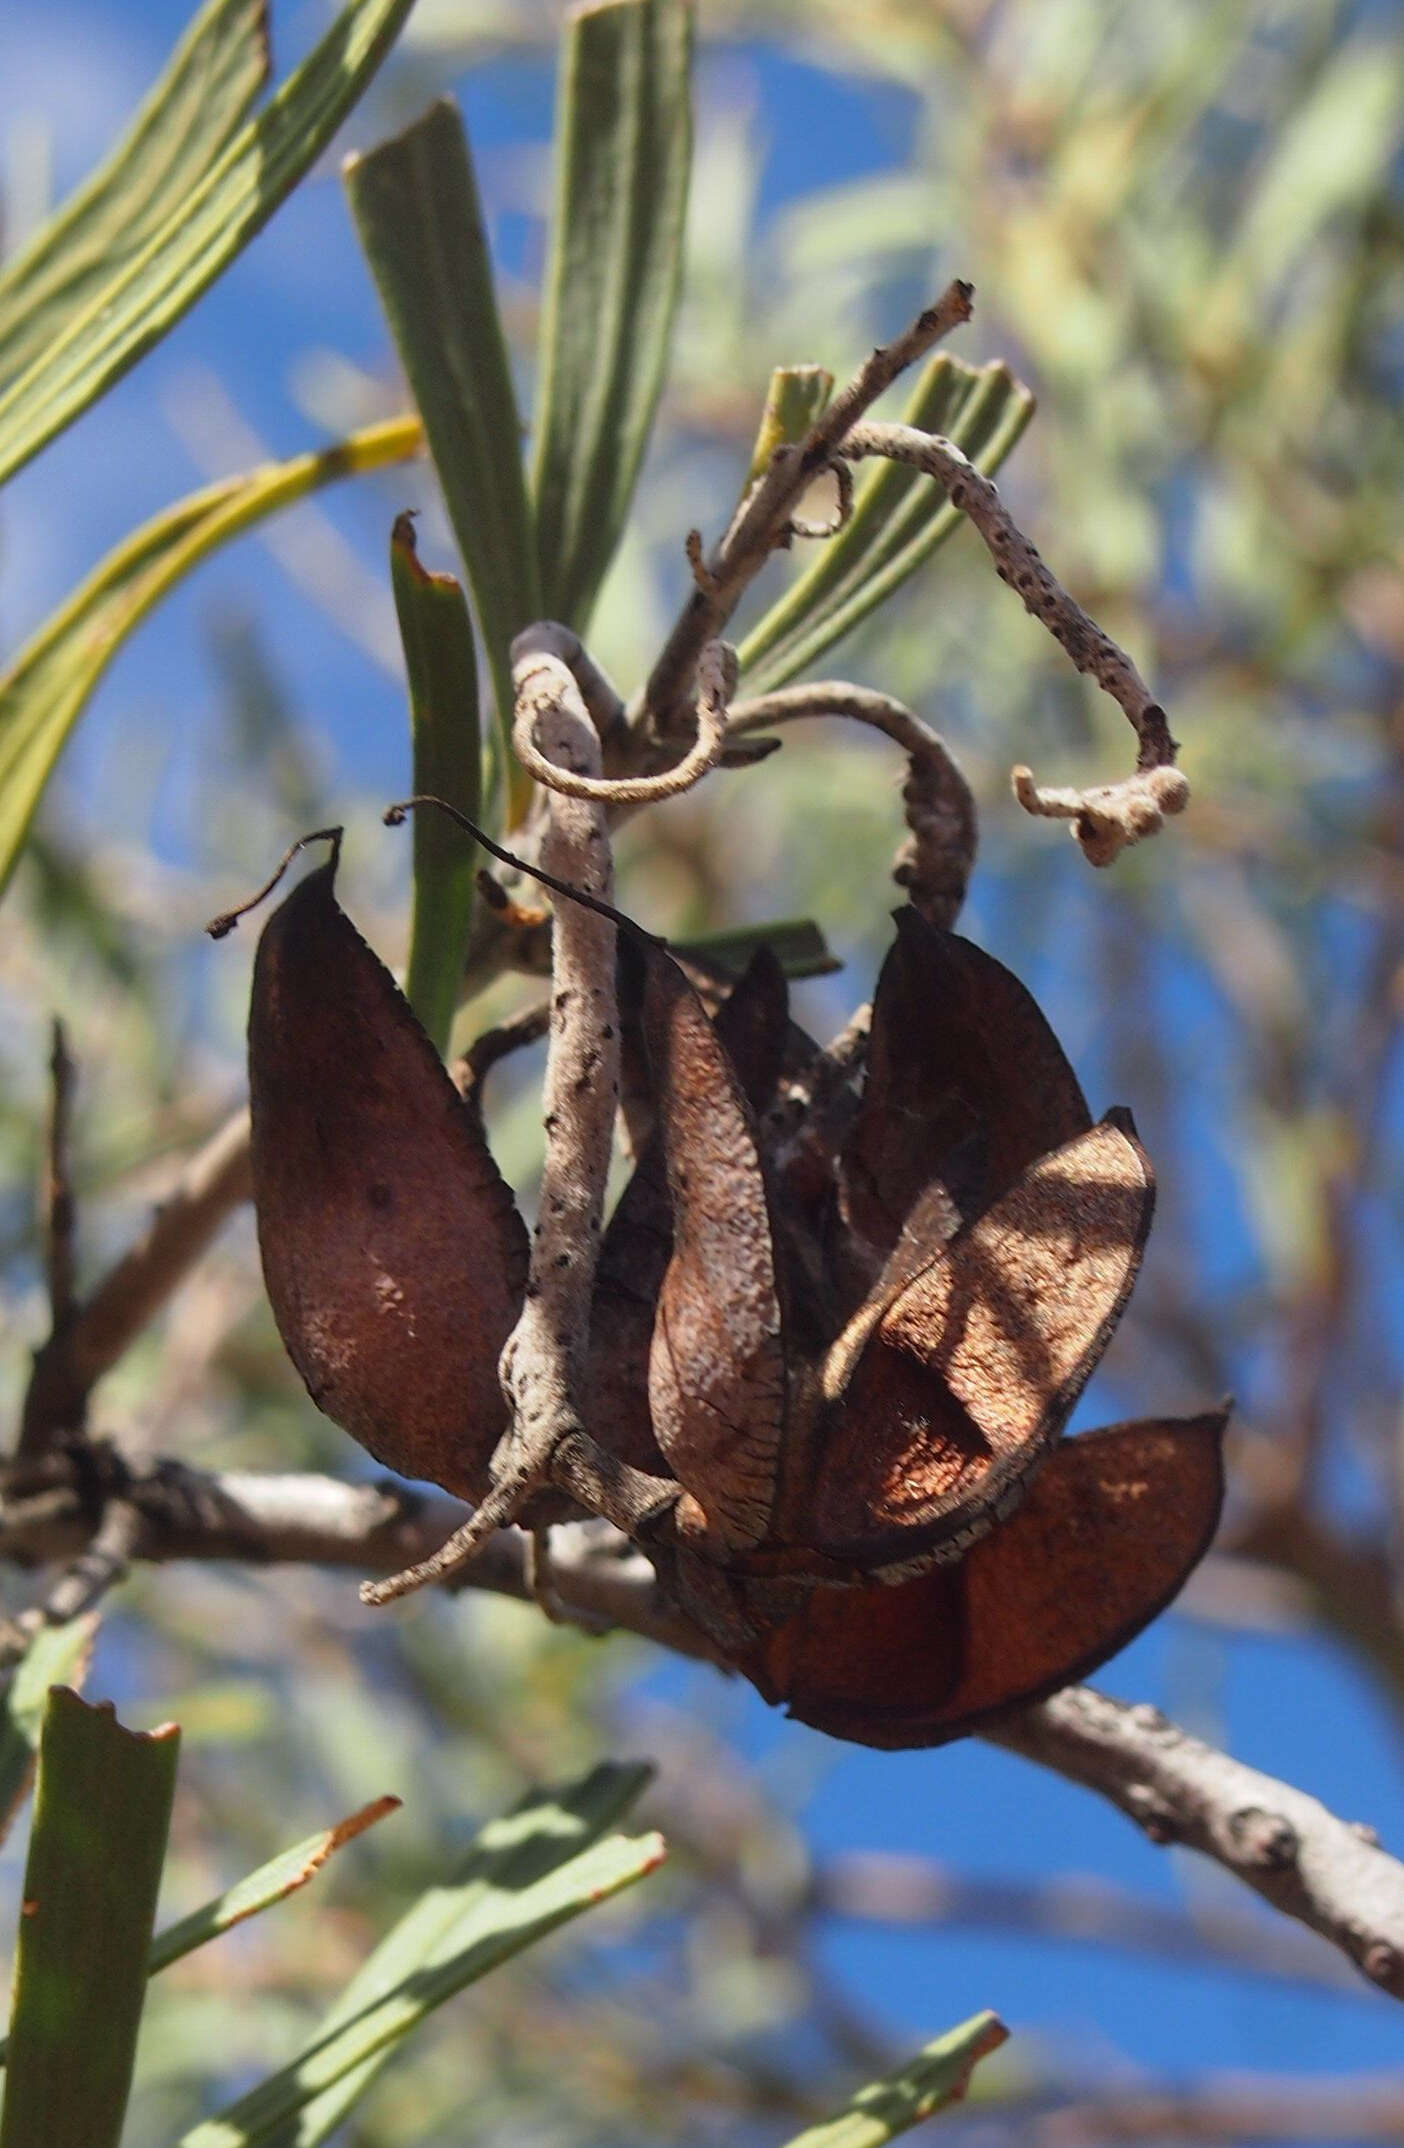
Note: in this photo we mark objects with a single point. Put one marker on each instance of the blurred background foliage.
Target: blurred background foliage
(1185, 225)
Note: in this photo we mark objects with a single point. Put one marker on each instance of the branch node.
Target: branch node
(697, 563)
(1265, 1839)
(1151, 1813)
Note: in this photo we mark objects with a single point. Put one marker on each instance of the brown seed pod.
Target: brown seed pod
(916, 1431)
(394, 1258)
(945, 1392)
(750, 1025)
(966, 1085)
(1112, 1527)
(716, 1384)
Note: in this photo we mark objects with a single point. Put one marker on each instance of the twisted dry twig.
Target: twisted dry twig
(934, 864)
(1109, 817)
(716, 681)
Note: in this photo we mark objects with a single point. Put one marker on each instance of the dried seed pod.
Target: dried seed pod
(966, 1085)
(753, 1027)
(1112, 1527)
(717, 1364)
(750, 1025)
(394, 1258)
(946, 1392)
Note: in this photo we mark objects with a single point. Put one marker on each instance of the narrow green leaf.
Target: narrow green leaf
(415, 202)
(797, 943)
(624, 136)
(58, 1655)
(274, 1882)
(447, 747)
(45, 690)
(797, 398)
(200, 235)
(937, 2077)
(174, 140)
(526, 1873)
(102, 1809)
(899, 519)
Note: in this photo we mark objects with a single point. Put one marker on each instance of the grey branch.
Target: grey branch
(1327, 1873)
(383, 1527)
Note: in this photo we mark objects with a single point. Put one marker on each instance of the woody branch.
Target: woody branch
(1327, 1873)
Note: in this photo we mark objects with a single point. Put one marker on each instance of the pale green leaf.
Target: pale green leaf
(937, 2077)
(180, 132)
(199, 236)
(102, 1808)
(57, 1656)
(624, 148)
(447, 747)
(526, 1874)
(797, 398)
(274, 1882)
(415, 201)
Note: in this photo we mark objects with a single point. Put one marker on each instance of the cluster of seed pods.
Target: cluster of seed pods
(840, 1315)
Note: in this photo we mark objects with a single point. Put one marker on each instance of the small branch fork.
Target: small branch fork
(1105, 818)
(764, 521)
(1309, 1865)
